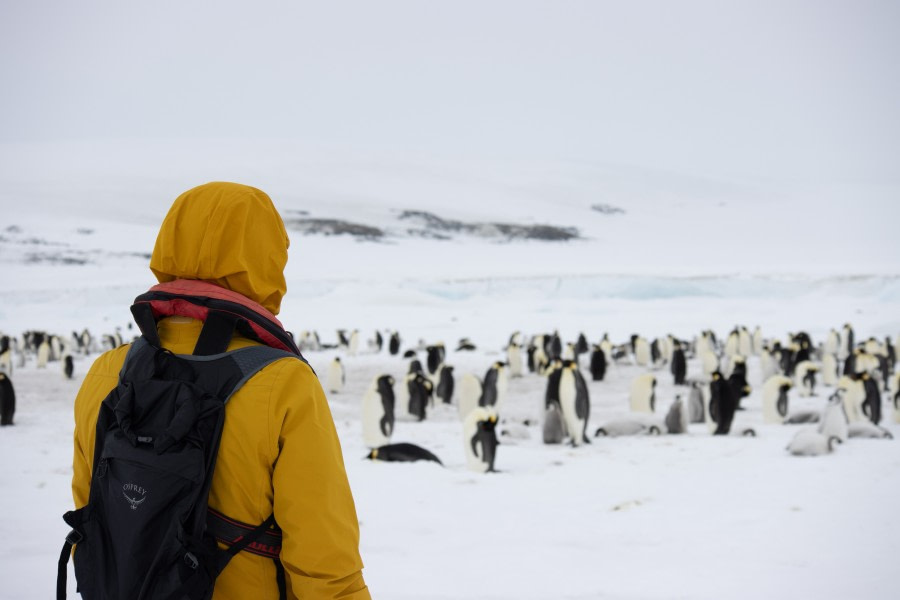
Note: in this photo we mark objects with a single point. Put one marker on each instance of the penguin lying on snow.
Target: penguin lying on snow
(402, 452)
(630, 426)
(809, 442)
(866, 429)
(465, 344)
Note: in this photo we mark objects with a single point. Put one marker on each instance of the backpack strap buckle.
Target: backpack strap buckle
(74, 537)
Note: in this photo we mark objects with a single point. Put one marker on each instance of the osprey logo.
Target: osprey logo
(135, 495)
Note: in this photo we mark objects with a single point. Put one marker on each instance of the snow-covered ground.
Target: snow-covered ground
(688, 516)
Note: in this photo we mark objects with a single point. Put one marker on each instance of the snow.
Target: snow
(689, 516)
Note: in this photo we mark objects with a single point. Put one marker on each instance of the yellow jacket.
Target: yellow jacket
(279, 449)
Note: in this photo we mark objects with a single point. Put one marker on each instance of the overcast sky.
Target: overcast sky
(806, 90)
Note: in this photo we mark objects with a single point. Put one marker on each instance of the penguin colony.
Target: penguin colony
(737, 384)
(44, 351)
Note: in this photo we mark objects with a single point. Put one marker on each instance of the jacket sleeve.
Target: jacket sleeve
(99, 381)
(312, 500)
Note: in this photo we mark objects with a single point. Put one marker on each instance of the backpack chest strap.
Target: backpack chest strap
(261, 540)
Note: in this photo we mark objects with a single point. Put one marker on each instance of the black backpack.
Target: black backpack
(146, 531)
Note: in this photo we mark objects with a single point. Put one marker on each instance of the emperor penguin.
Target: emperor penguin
(607, 348)
(353, 343)
(733, 343)
(539, 358)
(866, 363)
(757, 340)
(737, 379)
(87, 342)
(480, 439)
(445, 384)
(710, 362)
(494, 386)
(853, 394)
(6, 362)
(581, 345)
(343, 341)
(775, 399)
(469, 394)
(805, 378)
(809, 442)
(832, 342)
(768, 363)
(55, 348)
(677, 417)
(670, 346)
(872, 404)
(554, 346)
(7, 400)
(745, 342)
(641, 352)
(722, 404)
(335, 377)
(598, 363)
(656, 355)
(873, 346)
(68, 365)
(833, 422)
(847, 342)
(394, 343)
(679, 364)
(829, 369)
(378, 412)
(574, 402)
(514, 359)
(378, 343)
(696, 403)
(554, 430)
(643, 393)
(419, 389)
(704, 344)
(43, 354)
(435, 359)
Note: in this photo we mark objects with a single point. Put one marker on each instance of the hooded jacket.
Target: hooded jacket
(279, 450)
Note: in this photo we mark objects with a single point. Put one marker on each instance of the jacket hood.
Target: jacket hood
(228, 234)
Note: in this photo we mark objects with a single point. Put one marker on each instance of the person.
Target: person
(279, 451)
